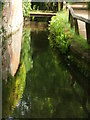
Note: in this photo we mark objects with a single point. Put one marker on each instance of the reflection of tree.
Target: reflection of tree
(12, 91)
(48, 92)
(26, 49)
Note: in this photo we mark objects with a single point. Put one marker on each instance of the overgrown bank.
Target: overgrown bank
(13, 87)
(75, 48)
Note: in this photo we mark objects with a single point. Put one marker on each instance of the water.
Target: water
(47, 91)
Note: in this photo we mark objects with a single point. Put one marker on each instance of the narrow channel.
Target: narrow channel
(48, 91)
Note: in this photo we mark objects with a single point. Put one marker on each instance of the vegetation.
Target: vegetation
(48, 86)
(14, 87)
(41, 97)
(57, 33)
(89, 5)
(26, 50)
(26, 9)
(62, 35)
(12, 91)
(38, 6)
(46, 6)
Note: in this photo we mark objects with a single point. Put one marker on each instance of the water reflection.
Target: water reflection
(12, 91)
(14, 86)
(48, 93)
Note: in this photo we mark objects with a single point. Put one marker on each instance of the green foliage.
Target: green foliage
(48, 90)
(12, 91)
(57, 33)
(89, 5)
(49, 6)
(26, 9)
(62, 34)
(79, 40)
(26, 50)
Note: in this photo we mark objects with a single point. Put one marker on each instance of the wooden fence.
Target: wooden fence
(73, 21)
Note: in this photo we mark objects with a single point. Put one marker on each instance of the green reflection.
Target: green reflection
(26, 49)
(13, 90)
(14, 87)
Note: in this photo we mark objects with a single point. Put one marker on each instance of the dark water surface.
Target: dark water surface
(47, 90)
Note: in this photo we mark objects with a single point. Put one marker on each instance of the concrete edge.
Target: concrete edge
(0, 64)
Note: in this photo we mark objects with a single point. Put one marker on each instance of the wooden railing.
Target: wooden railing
(73, 21)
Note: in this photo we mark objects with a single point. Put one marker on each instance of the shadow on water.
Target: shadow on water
(48, 90)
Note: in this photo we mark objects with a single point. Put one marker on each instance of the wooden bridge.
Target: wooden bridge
(80, 20)
(42, 14)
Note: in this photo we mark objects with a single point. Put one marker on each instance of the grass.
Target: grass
(59, 25)
(78, 39)
(57, 33)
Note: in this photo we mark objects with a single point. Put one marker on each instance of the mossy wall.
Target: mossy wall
(12, 22)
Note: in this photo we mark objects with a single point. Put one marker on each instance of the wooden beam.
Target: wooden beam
(59, 6)
(42, 14)
(76, 26)
(71, 21)
(88, 32)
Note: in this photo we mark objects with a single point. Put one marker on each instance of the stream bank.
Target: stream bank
(74, 48)
(47, 91)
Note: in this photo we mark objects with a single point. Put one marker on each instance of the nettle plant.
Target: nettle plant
(26, 8)
(57, 33)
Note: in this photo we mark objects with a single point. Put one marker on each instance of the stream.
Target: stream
(46, 88)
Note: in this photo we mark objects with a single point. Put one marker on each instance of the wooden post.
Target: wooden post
(61, 4)
(71, 21)
(76, 27)
(64, 5)
(88, 32)
(69, 16)
(59, 7)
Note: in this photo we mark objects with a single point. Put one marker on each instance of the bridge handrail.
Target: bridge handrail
(78, 17)
(73, 21)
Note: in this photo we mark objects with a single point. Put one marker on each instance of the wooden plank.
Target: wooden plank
(78, 17)
(76, 27)
(69, 16)
(71, 21)
(88, 32)
(42, 14)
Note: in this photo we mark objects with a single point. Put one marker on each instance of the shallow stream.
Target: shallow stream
(46, 89)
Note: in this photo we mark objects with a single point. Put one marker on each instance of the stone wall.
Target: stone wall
(12, 21)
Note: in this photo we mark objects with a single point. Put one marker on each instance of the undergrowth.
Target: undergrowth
(62, 35)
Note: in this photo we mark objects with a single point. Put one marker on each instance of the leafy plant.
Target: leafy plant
(49, 6)
(26, 9)
(61, 35)
(57, 33)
